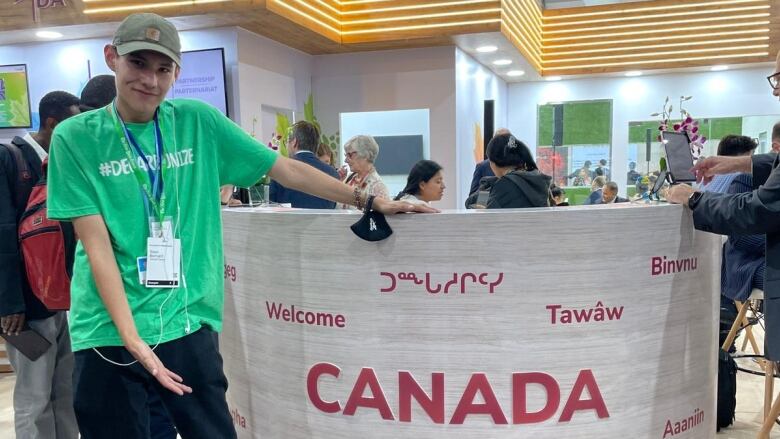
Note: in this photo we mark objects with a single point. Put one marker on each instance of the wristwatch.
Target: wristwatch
(693, 199)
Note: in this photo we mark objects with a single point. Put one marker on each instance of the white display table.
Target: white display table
(596, 322)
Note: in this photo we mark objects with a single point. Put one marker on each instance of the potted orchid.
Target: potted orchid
(687, 124)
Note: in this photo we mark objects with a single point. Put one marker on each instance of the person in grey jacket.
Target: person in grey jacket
(519, 183)
(749, 213)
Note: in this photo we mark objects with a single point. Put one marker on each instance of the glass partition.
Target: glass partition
(574, 144)
(645, 151)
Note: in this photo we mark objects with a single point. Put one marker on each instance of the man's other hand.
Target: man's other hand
(709, 167)
(12, 324)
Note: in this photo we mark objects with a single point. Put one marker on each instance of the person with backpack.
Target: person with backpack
(43, 396)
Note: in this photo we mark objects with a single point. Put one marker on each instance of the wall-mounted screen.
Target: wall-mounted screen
(397, 154)
(202, 77)
(14, 97)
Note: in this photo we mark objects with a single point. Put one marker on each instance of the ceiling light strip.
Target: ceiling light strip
(685, 21)
(421, 17)
(657, 46)
(530, 56)
(305, 15)
(417, 6)
(329, 6)
(645, 55)
(656, 38)
(109, 9)
(660, 61)
(533, 9)
(527, 42)
(536, 46)
(512, 6)
(421, 26)
(521, 22)
(647, 17)
(653, 31)
(315, 9)
(521, 42)
(652, 8)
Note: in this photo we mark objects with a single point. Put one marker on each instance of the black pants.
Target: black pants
(112, 401)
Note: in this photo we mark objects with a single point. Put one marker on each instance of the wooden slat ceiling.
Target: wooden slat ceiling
(657, 34)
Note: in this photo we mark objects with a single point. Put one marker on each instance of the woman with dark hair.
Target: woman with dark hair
(424, 184)
(519, 184)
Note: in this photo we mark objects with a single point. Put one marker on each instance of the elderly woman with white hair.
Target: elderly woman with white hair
(360, 153)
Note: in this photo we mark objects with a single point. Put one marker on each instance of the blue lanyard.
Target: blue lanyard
(155, 175)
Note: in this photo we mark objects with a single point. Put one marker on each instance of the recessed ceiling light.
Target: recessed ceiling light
(48, 35)
(633, 73)
(719, 68)
(552, 78)
(515, 73)
(502, 62)
(487, 49)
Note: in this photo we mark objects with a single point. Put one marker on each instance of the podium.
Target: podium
(592, 322)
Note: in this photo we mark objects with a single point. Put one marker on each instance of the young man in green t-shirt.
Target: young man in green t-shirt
(147, 287)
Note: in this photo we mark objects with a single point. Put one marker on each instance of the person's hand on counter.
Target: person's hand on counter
(389, 207)
(679, 194)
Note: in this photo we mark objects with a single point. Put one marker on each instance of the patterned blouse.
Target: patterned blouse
(370, 185)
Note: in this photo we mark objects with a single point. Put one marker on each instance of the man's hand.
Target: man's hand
(679, 194)
(709, 167)
(146, 356)
(388, 207)
(12, 324)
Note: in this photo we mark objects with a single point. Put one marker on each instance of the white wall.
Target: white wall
(473, 85)
(270, 74)
(63, 65)
(715, 94)
(393, 80)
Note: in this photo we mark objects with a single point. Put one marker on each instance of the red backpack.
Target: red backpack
(47, 248)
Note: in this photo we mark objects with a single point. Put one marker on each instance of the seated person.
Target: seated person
(558, 195)
(360, 153)
(596, 190)
(424, 184)
(302, 143)
(582, 176)
(744, 262)
(632, 176)
(326, 154)
(482, 169)
(609, 194)
(519, 182)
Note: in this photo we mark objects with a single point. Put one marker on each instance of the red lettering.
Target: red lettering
(466, 406)
(408, 388)
(311, 386)
(584, 380)
(367, 378)
(656, 266)
(286, 315)
(520, 382)
(340, 321)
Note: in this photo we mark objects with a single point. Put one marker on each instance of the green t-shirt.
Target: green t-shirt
(89, 174)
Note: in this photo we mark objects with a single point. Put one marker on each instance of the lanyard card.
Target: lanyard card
(163, 258)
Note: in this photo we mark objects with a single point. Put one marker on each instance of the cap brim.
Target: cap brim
(137, 46)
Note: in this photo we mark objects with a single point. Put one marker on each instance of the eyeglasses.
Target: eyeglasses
(350, 154)
(774, 80)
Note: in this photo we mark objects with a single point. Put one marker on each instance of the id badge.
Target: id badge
(163, 259)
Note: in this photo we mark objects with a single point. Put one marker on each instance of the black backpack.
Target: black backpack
(727, 389)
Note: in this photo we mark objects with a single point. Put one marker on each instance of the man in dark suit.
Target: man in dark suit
(483, 168)
(756, 212)
(609, 194)
(302, 143)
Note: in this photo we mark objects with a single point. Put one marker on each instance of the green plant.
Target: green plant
(282, 126)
